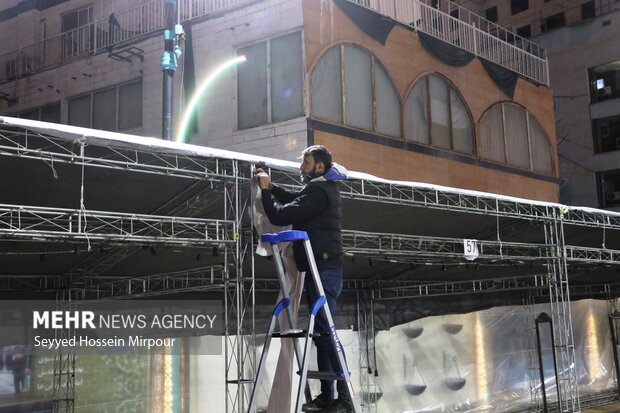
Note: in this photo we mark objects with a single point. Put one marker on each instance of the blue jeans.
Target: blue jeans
(327, 358)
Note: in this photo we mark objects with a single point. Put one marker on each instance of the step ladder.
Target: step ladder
(296, 334)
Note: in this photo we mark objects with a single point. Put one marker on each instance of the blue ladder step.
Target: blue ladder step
(323, 375)
(284, 236)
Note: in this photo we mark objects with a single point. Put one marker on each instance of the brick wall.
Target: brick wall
(406, 61)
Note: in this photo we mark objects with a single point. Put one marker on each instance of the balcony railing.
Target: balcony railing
(460, 27)
(439, 18)
(104, 34)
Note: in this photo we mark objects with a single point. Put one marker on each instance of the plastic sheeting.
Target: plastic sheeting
(417, 113)
(358, 88)
(279, 401)
(516, 136)
(327, 87)
(491, 128)
(462, 134)
(388, 104)
(485, 361)
(541, 148)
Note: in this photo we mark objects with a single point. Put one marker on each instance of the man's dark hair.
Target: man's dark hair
(320, 154)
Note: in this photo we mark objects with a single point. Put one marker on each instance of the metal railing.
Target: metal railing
(101, 35)
(129, 24)
(460, 27)
(441, 19)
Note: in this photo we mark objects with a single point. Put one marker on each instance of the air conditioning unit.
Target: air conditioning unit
(613, 196)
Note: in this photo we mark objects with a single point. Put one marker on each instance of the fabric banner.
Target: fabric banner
(447, 53)
(373, 24)
(504, 78)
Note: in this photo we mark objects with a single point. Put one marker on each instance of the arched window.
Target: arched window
(349, 86)
(436, 115)
(511, 135)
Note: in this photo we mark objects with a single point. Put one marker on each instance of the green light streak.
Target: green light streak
(187, 114)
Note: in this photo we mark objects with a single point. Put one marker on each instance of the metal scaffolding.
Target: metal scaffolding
(370, 393)
(559, 295)
(208, 215)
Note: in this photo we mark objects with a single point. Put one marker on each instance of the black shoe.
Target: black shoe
(318, 404)
(339, 406)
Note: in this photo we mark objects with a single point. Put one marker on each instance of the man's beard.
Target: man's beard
(306, 178)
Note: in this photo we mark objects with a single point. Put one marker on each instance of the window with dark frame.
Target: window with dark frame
(349, 86)
(47, 113)
(524, 31)
(113, 109)
(608, 185)
(588, 10)
(76, 32)
(491, 14)
(553, 22)
(436, 115)
(521, 141)
(604, 81)
(518, 6)
(270, 85)
(606, 134)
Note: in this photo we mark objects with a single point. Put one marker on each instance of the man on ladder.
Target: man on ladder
(317, 210)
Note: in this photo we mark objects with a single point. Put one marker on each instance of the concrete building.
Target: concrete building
(533, 17)
(580, 38)
(402, 113)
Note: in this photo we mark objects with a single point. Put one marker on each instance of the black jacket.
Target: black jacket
(317, 210)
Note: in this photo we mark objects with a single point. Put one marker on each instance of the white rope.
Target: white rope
(51, 165)
(82, 143)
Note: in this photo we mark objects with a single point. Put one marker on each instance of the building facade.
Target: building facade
(584, 68)
(369, 79)
(533, 17)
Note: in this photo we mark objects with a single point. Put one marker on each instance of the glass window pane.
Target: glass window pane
(130, 106)
(492, 135)
(79, 111)
(327, 87)
(517, 149)
(252, 86)
(84, 17)
(440, 116)
(462, 135)
(541, 149)
(358, 88)
(388, 105)
(69, 21)
(417, 113)
(31, 114)
(286, 78)
(104, 110)
(51, 113)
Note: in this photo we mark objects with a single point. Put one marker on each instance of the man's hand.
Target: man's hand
(264, 181)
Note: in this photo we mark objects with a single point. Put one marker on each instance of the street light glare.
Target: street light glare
(199, 92)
